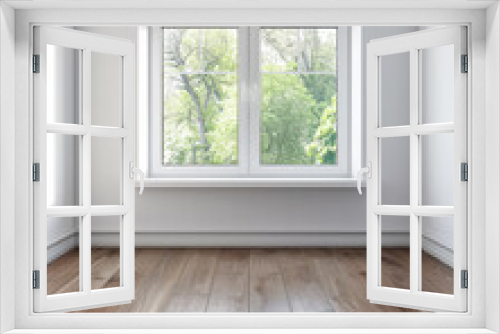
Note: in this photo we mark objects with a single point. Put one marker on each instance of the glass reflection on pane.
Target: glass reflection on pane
(107, 89)
(106, 170)
(395, 170)
(63, 255)
(106, 254)
(395, 251)
(437, 254)
(395, 89)
(438, 82)
(63, 84)
(437, 169)
(63, 170)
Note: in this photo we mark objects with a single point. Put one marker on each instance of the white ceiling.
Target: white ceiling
(250, 4)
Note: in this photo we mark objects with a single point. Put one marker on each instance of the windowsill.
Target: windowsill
(250, 182)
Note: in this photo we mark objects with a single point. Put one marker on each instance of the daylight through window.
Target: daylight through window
(253, 99)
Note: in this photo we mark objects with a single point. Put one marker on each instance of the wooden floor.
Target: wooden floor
(250, 280)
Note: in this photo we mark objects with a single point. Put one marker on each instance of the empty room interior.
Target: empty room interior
(253, 149)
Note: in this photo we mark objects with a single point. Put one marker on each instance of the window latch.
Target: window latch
(132, 171)
(366, 170)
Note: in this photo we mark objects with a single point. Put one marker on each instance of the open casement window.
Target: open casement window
(416, 153)
(84, 156)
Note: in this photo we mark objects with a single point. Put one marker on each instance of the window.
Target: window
(200, 97)
(249, 102)
(298, 87)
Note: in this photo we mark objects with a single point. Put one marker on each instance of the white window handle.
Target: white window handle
(132, 171)
(366, 170)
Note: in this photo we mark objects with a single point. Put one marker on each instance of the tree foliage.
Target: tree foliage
(298, 104)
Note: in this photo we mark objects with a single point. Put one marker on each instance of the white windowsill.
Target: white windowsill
(250, 182)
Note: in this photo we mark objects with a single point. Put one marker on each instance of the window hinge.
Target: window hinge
(465, 279)
(465, 64)
(464, 171)
(36, 172)
(36, 279)
(36, 63)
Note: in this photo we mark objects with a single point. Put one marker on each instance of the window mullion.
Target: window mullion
(255, 98)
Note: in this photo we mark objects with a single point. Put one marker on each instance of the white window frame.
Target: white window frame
(342, 169)
(414, 44)
(249, 90)
(86, 44)
(482, 312)
(155, 148)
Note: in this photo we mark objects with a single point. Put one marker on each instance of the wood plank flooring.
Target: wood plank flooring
(249, 280)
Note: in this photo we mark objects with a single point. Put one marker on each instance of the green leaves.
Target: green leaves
(298, 109)
(323, 148)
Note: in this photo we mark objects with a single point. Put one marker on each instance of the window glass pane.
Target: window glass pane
(395, 251)
(395, 89)
(106, 171)
(298, 120)
(437, 254)
(200, 119)
(302, 50)
(63, 170)
(63, 74)
(318, 50)
(105, 255)
(298, 123)
(195, 50)
(63, 255)
(107, 94)
(395, 170)
(279, 50)
(200, 97)
(438, 82)
(437, 169)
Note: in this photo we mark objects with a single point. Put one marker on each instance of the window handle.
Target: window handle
(366, 170)
(132, 171)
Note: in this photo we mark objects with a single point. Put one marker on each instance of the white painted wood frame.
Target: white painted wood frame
(342, 170)
(156, 167)
(86, 43)
(473, 321)
(414, 297)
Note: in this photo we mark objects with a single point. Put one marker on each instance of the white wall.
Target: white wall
(252, 216)
(329, 212)
(7, 167)
(492, 186)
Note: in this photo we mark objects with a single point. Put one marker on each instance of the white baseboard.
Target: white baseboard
(249, 239)
(438, 250)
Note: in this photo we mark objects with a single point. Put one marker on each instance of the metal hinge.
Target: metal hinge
(465, 279)
(36, 172)
(36, 279)
(465, 64)
(36, 63)
(464, 172)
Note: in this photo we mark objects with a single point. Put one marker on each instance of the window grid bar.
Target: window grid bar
(407, 130)
(300, 72)
(415, 270)
(200, 73)
(85, 249)
(419, 210)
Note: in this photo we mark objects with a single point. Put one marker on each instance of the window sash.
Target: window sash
(249, 95)
(342, 169)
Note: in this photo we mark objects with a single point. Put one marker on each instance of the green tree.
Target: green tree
(287, 120)
(323, 148)
(298, 111)
(200, 113)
